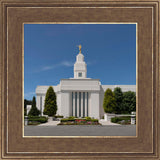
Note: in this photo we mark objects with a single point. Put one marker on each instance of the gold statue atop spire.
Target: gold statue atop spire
(80, 48)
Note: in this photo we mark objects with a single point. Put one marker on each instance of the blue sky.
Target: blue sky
(50, 51)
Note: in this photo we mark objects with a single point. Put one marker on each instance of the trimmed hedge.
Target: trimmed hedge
(94, 120)
(40, 119)
(58, 116)
(66, 120)
(118, 119)
(88, 118)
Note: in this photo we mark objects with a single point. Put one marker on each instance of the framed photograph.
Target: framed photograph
(83, 105)
(79, 79)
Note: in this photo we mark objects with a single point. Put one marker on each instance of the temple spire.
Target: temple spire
(80, 67)
(80, 48)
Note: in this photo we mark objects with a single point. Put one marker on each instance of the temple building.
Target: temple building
(79, 96)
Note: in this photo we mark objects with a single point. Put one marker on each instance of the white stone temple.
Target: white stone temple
(79, 96)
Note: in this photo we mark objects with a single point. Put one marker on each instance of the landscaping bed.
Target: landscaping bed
(126, 120)
(35, 120)
(79, 121)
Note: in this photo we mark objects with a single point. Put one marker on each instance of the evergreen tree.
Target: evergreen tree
(129, 102)
(50, 106)
(109, 102)
(119, 100)
(34, 111)
(26, 102)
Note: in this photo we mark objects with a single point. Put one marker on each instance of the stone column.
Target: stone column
(77, 104)
(81, 104)
(73, 103)
(38, 101)
(85, 104)
(41, 105)
(26, 120)
(65, 103)
(105, 117)
(133, 116)
(94, 109)
(28, 108)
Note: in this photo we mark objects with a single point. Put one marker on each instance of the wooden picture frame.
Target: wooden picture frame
(14, 13)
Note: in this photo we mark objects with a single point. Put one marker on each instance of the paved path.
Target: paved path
(103, 122)
(50, 123)
(83, 130)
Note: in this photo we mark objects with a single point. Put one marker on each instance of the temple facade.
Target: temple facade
(79, 96)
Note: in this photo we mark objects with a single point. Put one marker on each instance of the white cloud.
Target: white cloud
(46, 68)
(67, 64)
(61, 64)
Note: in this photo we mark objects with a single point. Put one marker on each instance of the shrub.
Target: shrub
(71, 118)
(40, 119)
(64, 120)
(118, 119)
(58, 116)
(88, 118)
(33, 123)
(115, 119)
(94, 120)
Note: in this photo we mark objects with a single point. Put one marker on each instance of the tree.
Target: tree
(34, 111)
(50, 106)
(129, 102)
(119, 100)
(109, 102)
(26, 102)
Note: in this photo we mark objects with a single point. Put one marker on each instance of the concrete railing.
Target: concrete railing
(26, 120)
(108, 116)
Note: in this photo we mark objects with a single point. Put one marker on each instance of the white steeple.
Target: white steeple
(80, 67)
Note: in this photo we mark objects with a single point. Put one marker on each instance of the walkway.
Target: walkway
(103, 122)
(50, 122)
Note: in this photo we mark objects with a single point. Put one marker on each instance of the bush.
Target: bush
(33, 123)
(118, 119)
(94, 120)
(71, 118)
(58, 116)
(40, 119)
(115, 119)
(66, 120)
(88, 118)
